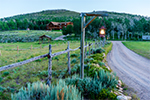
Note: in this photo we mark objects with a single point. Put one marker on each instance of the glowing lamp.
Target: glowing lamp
(102, 31)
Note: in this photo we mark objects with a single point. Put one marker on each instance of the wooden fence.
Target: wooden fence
(50, 56)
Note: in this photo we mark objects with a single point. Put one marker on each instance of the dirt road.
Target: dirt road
(131, 68)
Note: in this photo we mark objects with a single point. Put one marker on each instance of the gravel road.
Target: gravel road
(131, 68)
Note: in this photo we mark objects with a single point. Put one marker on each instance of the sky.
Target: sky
(14, 7)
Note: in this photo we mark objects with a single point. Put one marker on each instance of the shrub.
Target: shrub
(100, 50)
(106, 94)
(73, 55)
(5, 73)
(74, 60)
(93, 86)
(1, 79)
(101, 63)
(87, 60)
(40, 91)
(56, 58)
(98, 57)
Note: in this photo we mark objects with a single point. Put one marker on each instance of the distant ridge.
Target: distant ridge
(49, 14)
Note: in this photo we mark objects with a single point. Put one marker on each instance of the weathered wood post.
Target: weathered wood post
(17, 49)
(85, 49)
(82, 45)
(95, 44)
(31, 47)
(89, 49)
(69, 69)
(99, 43)
(0, 53)
(40, 46)
(50, 66)
(92, 48)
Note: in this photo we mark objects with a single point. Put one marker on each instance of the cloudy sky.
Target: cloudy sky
(14, 7)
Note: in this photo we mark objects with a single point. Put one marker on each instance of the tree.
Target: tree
(6, 26)
(1, 26)
(64, 31)
(67, 30)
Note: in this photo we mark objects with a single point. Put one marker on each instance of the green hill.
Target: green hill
(45, 14)
(119, 25)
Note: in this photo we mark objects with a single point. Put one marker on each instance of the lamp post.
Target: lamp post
(84, 24)
(102, 32)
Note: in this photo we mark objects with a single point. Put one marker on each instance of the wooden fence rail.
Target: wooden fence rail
(50, 56)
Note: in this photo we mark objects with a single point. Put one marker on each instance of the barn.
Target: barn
(57, 25)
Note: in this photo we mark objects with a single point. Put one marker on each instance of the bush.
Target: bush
(106, 94)
(74, 60)
(73, 55)
(87, 60)
(93, 86)
(40, 91)
(1, 79)
(98, 57)
(100, 50)
(5, 73)
(101, 63)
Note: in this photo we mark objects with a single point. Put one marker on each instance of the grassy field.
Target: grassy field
(18, 76)
(141, 48)
(13, 79)
(34, 71)
(25, 35)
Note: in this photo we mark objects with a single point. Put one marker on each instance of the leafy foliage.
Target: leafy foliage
(40, 91)
(93, 86)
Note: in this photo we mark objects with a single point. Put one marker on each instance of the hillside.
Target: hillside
(119, 25)
(45, 14)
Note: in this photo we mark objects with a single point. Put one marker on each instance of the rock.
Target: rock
(119, 85)
(103, 54)
(121, 97)
(121, 89)
(129, 98)
(119, 82)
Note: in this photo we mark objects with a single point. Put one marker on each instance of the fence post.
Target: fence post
(101, 43)
(31, 47)
(92, 48)
(89, 49)
(69, 69)
(40, 46)
(17, 48)
(50, 66)
(95, 44)
(85, 49)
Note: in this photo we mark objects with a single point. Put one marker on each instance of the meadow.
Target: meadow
(141, 48)
(26, 35)
(13, 79)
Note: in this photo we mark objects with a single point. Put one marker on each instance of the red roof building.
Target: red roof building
(57, 25)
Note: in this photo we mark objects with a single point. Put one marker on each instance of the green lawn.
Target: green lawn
(141, 48)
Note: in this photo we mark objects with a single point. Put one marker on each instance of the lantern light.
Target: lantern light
(102, 31)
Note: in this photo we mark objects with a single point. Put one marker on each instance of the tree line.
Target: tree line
(118, 26)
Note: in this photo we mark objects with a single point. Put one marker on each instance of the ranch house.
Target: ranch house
(57, 25)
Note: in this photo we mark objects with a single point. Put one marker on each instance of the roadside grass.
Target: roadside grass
(141, 48)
